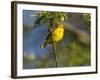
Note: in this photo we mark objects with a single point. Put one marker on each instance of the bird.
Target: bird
(55, 36)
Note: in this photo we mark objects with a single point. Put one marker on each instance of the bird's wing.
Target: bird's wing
(48, 36)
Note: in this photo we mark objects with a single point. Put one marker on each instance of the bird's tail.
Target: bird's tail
(43, 45)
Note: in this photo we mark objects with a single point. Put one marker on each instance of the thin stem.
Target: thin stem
(51, 24)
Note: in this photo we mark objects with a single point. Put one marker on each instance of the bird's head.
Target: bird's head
(61, 26)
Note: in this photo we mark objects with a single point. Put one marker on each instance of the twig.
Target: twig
(51, 23)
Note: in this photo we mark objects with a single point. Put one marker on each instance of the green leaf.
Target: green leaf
(38, 21)
(34, 15)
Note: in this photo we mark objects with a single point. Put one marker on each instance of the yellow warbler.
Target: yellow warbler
(56, 35)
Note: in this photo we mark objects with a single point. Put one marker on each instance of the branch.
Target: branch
(84, 37)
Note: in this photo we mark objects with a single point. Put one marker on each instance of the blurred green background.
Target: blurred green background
(73, 50)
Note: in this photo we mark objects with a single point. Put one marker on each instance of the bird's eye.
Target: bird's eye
(61, 26)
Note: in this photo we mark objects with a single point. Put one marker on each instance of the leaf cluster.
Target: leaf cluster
(45, 17)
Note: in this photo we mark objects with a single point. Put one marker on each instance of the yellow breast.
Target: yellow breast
(58, 34)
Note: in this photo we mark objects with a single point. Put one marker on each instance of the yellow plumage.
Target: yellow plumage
(58, 33)
(57, 36)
